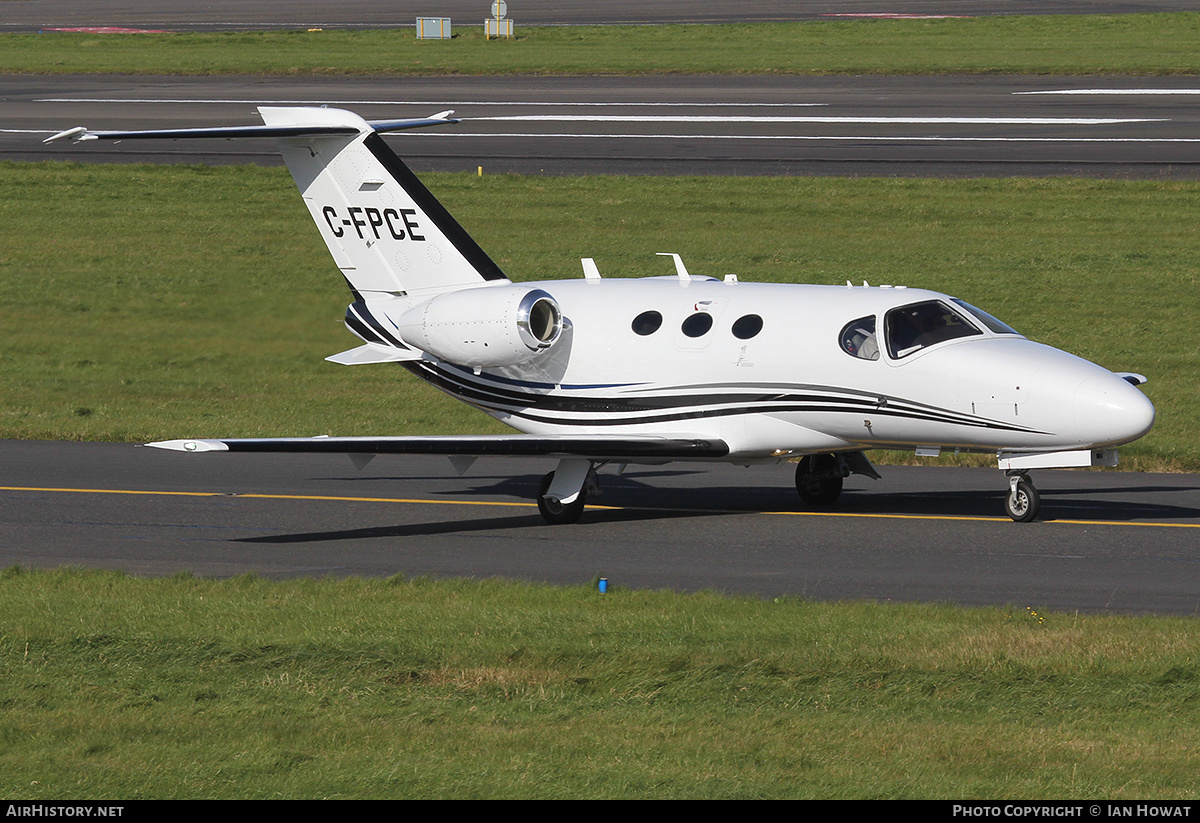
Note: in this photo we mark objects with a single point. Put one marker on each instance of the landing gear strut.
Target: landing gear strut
(564, 491)
(1023, 501)
(554, 511)
(819, 479)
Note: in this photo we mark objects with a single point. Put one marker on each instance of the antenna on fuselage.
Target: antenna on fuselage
(680, 269)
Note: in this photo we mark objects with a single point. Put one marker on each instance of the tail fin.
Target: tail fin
(385, 230)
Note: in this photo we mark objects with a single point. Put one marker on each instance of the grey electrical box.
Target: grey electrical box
(433, 28)
(497, 28)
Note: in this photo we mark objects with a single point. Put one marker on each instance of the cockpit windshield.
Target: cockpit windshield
(993, 325)
(912, 328)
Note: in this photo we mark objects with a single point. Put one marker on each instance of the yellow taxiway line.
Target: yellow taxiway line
(419, 501)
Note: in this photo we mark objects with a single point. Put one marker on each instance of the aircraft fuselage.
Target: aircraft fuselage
(766, 368)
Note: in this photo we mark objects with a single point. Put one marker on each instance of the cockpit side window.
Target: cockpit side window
(912, 328)
(995, 326)
(858, 339)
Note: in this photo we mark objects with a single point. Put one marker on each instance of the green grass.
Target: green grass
(146, 302)
(114, 687)
(1073, 44)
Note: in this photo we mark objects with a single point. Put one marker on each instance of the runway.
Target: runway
(1136, 128)
(1108, 541)
(249, 15)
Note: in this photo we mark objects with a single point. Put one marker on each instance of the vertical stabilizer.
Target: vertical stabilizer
(385, 230)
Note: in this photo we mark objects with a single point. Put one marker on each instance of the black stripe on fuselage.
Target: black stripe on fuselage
(619, 411)
(359, 317)
(361, 329)
(434, 210)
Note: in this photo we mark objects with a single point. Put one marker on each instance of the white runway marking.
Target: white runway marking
(716, 118)
(1114, 91)
(252, 102)
(930, 138)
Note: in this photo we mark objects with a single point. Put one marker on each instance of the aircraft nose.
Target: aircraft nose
(1110, 411)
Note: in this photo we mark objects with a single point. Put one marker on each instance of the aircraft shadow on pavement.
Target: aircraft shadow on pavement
(626, 499)
(484, 524)
(660, 489)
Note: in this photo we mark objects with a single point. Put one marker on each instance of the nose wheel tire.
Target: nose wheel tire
(555, 512)
(1023, 501)
(817, 480)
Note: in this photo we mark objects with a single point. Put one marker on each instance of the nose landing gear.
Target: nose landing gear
(1023, 501)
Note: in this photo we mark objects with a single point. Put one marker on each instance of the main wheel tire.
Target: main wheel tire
(1023, 502)
(554, 512)
(816, 483)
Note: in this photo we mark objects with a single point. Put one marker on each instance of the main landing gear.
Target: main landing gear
(1023, 501)
(819, 479)
(554, 511)
(563, 493)
(819, 476)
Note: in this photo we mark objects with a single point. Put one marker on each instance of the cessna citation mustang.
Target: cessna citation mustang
(648, 371)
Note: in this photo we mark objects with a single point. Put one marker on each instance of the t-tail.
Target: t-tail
(414, 271)
(385, 230)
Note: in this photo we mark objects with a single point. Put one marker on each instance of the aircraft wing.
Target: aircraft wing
(597, 447)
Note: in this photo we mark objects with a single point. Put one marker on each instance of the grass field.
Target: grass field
(118, 687)
(146, 302)
(1074, 44)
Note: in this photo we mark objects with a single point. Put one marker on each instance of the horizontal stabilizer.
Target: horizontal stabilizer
(80, 133)
(386, 232)
(373, 353)
(596, 447)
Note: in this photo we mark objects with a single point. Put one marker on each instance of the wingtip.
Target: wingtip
(190, 445)
(76, 134)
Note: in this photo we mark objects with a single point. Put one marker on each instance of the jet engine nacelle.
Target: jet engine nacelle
(484, 327)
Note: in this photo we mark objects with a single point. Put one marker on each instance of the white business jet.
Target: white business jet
(599, 371)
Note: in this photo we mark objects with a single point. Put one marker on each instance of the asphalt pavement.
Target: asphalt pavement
(1106, 542)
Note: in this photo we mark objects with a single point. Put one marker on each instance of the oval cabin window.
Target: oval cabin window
(698, 324)
(647, 322)
(747, 326)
